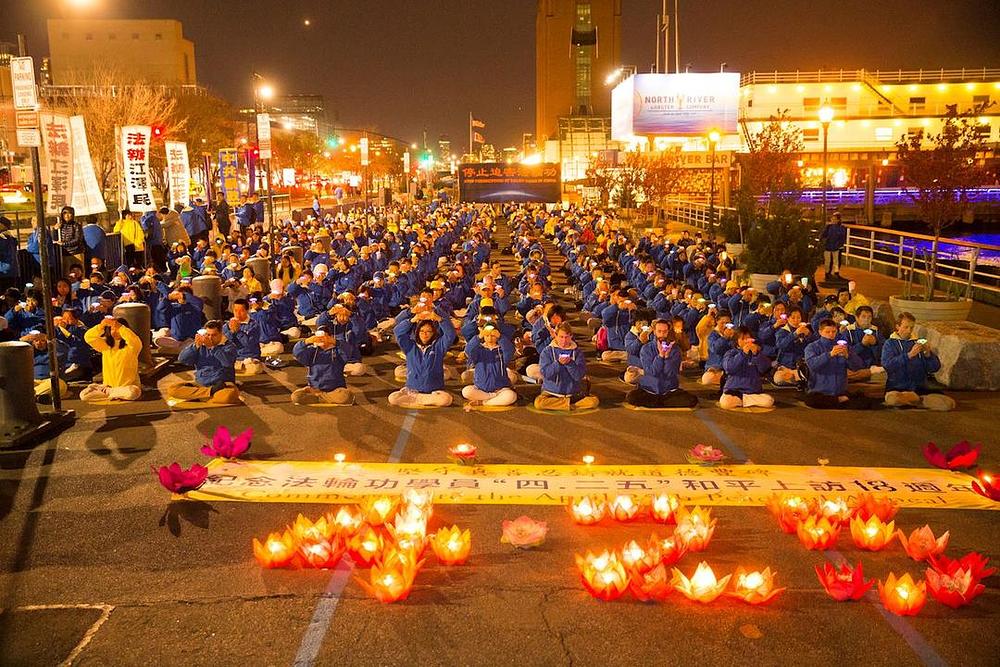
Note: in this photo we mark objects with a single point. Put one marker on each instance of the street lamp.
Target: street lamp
(825, 117)
(265, 92)
(713, 140)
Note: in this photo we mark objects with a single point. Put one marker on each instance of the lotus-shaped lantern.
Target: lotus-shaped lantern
(866, 504)
(451, 545)
(921, 544)
(587, 510)
(818, 533)
(845, 582)
(703, 586)
(278, 550)
(872, 535)
(962, 455)
(225, 446)
(754, 587)
(178, 480)
(524, 532)
(694, 528)
(902, 596)
(652, 586)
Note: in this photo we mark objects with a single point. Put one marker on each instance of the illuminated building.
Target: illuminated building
(154, 51)
(872, 110)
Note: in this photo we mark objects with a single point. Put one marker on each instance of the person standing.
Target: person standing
(8, 255)
(834, 236)
(133, 238)
(70, 238)
(222, 215)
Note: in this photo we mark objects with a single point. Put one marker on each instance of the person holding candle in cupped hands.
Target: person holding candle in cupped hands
(564, 369)
(659, 385)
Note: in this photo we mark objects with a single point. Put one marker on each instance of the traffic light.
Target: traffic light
(158, 131)
(333, 141)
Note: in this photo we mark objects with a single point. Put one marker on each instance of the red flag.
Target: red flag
(478, 123)
(478, 138)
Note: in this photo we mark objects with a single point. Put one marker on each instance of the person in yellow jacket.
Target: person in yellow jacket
(120, 348)
(133, 238)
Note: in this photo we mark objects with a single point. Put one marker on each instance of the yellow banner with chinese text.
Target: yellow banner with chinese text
(738, 485)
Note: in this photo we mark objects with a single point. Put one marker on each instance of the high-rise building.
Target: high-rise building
(153, 51)
(577, 43)
(444, 148)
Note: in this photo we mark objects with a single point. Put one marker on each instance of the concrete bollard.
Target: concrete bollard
(296, 251)
(18, 411)
(137, 316)
(261, 269)
(208, 289)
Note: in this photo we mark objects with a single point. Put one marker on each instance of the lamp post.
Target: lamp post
(264, 92)
(713, 140)
(825, 117)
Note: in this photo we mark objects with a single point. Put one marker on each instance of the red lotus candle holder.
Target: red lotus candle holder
(624, 507)
(866, 504)
(378, 509)
(818, 533)
(694, 528)
(921, 544)
(836, 510)
(956, 586)
(278, 550)
(588, 510)
(902, 596)
(872, 535)
(451, 545)
(663, 507)
(652, 586)
(365, 546)
(321, 554)
(987, 485)
(670, 549)
(603, 575)
(637, 558)
(703, 586)
(789, 510)
(389, 583)
(844, 583)
(305, 530)
(463, 453)
(754, 587)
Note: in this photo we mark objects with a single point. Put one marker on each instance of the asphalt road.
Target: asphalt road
(97, 564)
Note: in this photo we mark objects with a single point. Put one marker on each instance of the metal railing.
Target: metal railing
(879, 75)
(962, 266)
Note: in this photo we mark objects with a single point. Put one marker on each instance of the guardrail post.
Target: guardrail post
(972, 272)
(871, 250)
(899, 258)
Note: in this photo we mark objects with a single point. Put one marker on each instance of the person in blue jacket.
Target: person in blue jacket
(828, 359)
(720, 341)
(325, 382)
(40, 350)
(26, 315)
(183, 311)
(616, 319)
(833, 236)
(745, 365)
(214, 359)
(791, 340)
(488, 354)
(9, 269)
(79, 354)
(424, 339)
(908, 361)
(563, 368)
(659, 386)
(246, 334)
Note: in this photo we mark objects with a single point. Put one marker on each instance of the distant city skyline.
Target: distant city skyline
(403, 68)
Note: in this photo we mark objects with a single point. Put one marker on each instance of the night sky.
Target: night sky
(404, 66)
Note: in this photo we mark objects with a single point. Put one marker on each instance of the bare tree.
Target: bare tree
(769, 166)
(105, 104)
(939, 177)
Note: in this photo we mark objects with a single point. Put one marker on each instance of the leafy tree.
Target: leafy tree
(939, 170)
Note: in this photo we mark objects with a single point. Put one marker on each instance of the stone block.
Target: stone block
(969, 353)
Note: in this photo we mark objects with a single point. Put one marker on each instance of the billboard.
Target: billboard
(492, 183)
(675, 104)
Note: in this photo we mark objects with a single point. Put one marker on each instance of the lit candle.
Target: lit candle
(636, 558)
(377, 510)
(347, 521)
(276, 551)
(588, 510)
(364, 547)
(703, 586)
(902, 596)
(463, 453)
(663, 507)
(340, 457)
(694, 528)
(388, 583)
(872, 535)
(451, 546)
(322, 554)
(670, 549)
(588, 459)
(624, 508)
(603, 576)
(818, 534)
(755, 587)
